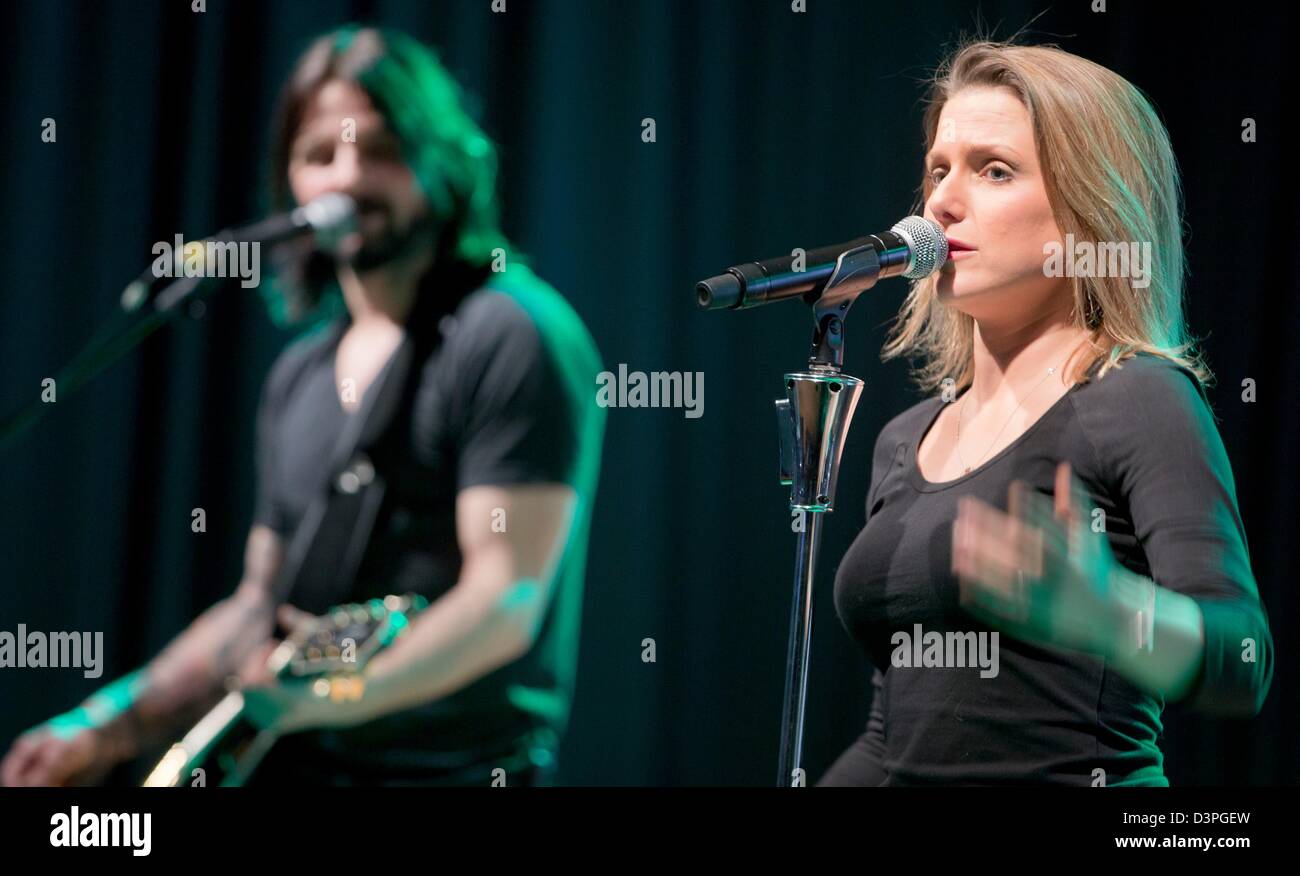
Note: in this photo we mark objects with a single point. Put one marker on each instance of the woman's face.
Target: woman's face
(989, 197)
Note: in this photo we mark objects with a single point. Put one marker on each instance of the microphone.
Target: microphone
(914, 247)
(329, 219)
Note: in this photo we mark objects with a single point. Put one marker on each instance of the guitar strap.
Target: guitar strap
(327, 546)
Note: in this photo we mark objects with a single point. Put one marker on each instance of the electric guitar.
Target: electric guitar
(224, 748)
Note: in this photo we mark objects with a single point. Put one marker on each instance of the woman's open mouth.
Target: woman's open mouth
(959, 249)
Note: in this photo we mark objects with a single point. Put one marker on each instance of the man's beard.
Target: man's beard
(392, 243)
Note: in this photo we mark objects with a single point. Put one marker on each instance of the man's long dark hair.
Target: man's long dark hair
(454, 162)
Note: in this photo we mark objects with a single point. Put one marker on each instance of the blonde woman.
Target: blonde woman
(1061, 504)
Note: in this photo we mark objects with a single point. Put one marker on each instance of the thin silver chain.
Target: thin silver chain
(961, 411)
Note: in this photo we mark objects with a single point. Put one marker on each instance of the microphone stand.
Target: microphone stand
(145, 307)
(813, 423)
(332, 221)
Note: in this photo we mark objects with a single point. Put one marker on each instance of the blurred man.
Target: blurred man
(489, 453)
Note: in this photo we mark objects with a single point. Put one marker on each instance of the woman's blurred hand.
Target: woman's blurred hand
(1039, 573)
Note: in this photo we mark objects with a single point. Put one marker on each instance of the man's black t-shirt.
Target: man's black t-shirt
(501, 392)
(1143, 442)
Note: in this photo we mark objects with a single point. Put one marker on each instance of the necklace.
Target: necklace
(966, 468)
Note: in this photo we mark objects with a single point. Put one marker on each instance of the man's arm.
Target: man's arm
(493, 613)
(157, 702)
(188, 676)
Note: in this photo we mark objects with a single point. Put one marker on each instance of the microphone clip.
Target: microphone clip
(856, 270)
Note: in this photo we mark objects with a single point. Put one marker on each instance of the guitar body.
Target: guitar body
(224, 747)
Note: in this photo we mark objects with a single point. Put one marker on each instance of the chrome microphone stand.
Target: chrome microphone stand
(813, 419)
(813, 423)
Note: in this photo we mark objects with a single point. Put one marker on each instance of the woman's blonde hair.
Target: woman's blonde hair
(1110, 176)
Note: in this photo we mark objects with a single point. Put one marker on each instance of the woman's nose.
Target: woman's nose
(947, 202)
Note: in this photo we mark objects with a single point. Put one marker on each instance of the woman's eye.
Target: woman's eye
(996, 172)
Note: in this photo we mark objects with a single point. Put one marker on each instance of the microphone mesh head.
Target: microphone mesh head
(329, 211)
(332, 216)
(927, 244)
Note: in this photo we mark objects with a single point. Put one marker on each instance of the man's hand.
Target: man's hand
(287, 705)
(292, 705)
(60, 752)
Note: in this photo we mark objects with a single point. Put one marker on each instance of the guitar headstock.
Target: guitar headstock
(345, 638)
